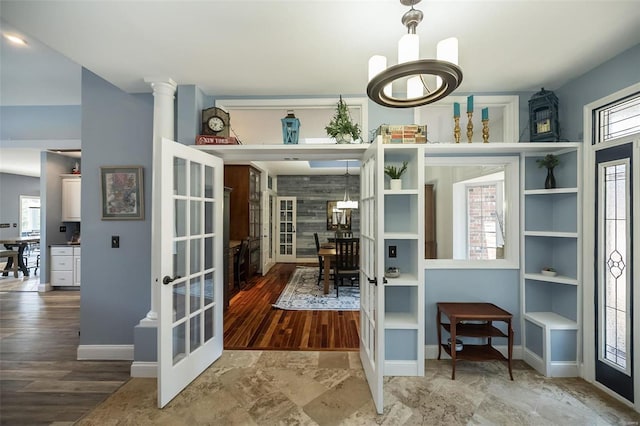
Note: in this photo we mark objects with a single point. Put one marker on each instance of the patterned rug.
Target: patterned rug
(303, 293)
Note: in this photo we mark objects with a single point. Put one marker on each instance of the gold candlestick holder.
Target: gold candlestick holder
(485, 131)
(456, 129)
(469, 127)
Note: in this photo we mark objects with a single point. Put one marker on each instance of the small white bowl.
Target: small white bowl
(459, 344)
(549, 273)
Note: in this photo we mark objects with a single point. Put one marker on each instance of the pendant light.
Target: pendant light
(346, 203)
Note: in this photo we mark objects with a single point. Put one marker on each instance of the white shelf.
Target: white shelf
(400, 321)
(551, 191)
(551, 320)
(551, 234)
(400, 192)
(405, 279)
(400, 236)
(560, 279)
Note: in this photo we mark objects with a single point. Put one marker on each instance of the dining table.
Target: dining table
(328, 253)
(21, 243)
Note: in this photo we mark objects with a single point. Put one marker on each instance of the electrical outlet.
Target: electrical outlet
(63, 229)
(392, 251)
(115, 241)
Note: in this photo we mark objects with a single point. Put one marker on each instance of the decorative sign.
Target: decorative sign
(216, 140)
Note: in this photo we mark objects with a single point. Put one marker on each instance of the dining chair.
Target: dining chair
(340, 233)
(347, 263)
(241, 264)
(320, 260)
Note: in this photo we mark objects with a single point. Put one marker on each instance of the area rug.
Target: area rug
(303, 293)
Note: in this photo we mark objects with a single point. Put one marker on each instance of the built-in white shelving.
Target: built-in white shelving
(403, 230)
(551, 237)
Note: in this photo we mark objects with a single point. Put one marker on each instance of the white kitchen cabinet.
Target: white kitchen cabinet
(71, 185)
(65, 266)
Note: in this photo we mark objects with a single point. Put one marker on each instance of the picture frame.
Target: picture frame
(337, 219)
(122, 192)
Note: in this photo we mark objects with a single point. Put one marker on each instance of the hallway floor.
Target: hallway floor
(328, 388)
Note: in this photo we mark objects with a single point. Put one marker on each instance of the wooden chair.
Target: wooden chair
(347, 263)
(340, 233)
(241, 264)
(12, 261)
(320, 261)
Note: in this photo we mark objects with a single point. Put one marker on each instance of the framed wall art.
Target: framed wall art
(122, 192)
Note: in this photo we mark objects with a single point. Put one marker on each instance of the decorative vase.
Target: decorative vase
(396, 184)
(550, 181)
(343, 138)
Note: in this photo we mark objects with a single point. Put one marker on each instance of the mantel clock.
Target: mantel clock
(215, 121)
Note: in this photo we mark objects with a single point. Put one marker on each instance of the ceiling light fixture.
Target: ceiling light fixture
(15, 39)
(445, 68)
(346, 203)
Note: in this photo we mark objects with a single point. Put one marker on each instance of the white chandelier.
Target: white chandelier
(445, 68)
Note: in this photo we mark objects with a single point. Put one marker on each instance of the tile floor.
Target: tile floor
(329, 388)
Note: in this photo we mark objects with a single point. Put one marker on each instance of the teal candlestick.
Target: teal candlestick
(470, 103)
(485, 113)
(456, 109)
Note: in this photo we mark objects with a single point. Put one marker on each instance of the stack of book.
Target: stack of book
(407, 133)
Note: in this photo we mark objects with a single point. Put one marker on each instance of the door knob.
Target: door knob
(168, 280)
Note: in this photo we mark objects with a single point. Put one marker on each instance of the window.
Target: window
(483, 227)
(478, 234)
(29, 216)
(619, 119)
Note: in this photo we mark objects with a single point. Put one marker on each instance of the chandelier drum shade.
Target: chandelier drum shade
(448, 74)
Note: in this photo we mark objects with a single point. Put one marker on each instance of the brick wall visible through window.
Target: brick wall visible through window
(482, 223)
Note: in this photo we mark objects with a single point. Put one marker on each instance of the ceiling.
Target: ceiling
(298, 48)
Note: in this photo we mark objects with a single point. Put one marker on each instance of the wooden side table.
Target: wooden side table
(483, 315)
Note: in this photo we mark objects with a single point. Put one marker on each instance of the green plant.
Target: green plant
(394, 172)
(549, 161)
(548, 268)
(341, 122)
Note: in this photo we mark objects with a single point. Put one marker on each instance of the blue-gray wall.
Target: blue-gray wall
(117, 130)
(620, 72)
(40, 122)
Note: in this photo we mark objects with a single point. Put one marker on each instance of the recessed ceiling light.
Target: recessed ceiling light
(15, 39)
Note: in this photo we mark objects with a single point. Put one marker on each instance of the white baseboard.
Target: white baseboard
(431, 352)
(144, 369)
(534, 361)
(400, 368)
(42, 288)
(563, 369)
(105, 352)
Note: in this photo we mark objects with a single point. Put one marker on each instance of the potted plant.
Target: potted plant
(395, 173)
(341, 127)
(549, 161)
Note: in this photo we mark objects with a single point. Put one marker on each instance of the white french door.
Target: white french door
(191, 300)
(371, 286)
(268, 230)
(287, 213)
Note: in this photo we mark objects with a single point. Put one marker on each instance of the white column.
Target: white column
(164, 90)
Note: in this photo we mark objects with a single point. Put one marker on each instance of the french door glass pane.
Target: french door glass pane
(615, 265)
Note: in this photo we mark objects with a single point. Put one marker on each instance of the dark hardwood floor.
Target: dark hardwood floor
(252, 323)
(40, 379)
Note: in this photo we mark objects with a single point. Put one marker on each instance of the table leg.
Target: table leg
(453, 347)
(21, 264)
(327, 267)
(510, 331)
(439, 325)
